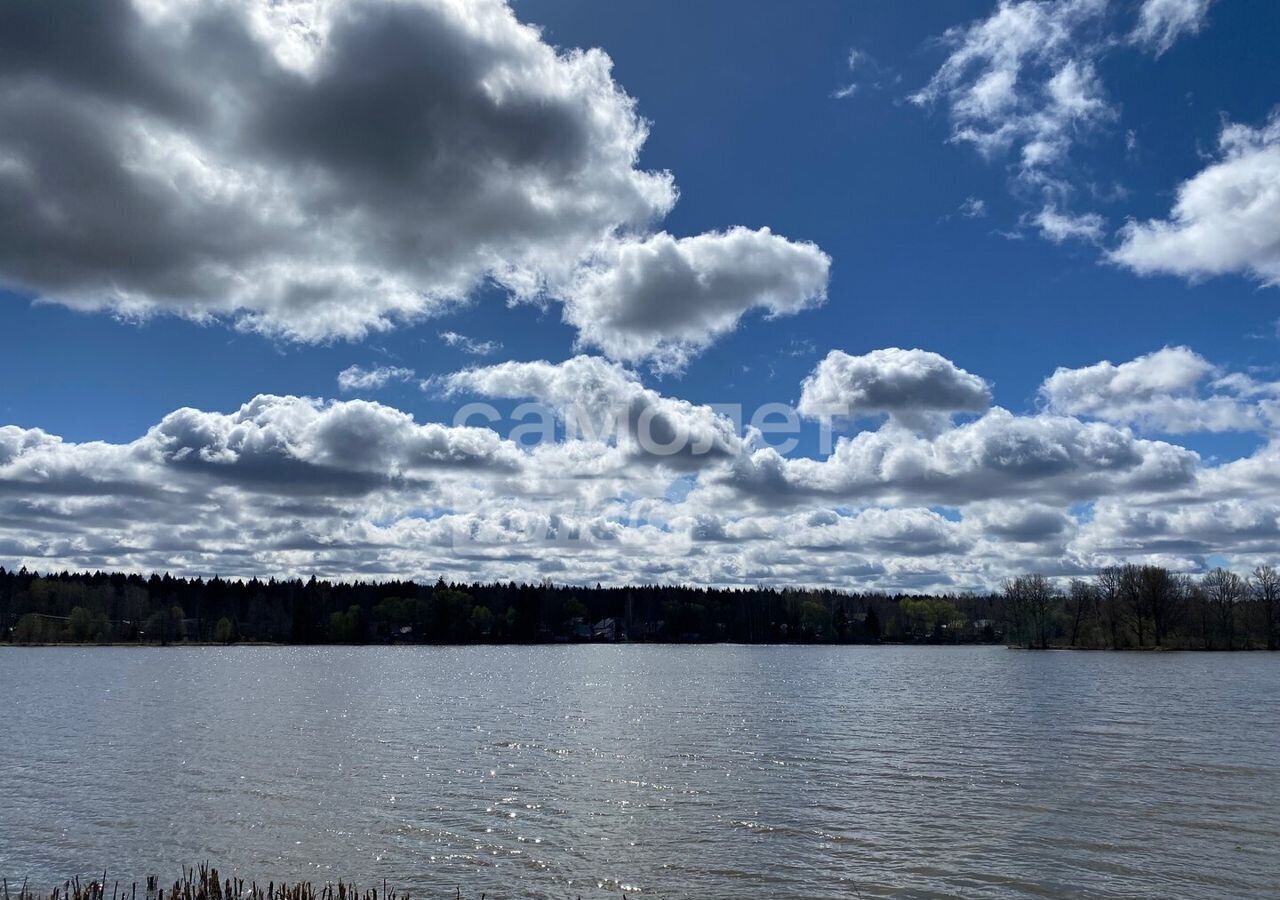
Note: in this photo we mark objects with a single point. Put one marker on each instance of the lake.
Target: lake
(707, 771)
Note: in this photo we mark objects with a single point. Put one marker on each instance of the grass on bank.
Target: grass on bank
(204, 883)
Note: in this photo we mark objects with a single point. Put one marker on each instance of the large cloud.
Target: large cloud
(278, 445)
(296, 486)
(665, 299)
(1226, 218)
(901, 383)
(1163, 392)
(322, 171)
(998, 456)
(601, 401)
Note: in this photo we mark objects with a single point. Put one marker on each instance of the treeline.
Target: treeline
(1136, 607)
(116, 608)
(1123, 607)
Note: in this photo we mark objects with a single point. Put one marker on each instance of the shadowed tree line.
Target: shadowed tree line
(116, 608)
(1125, 607)
(1137, 607)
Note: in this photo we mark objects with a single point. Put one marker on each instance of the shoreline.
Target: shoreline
(205, 645)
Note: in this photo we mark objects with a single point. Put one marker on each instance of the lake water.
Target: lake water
(714, 771)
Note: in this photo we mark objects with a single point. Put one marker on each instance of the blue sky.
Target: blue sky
(740, 101)
(743, 110)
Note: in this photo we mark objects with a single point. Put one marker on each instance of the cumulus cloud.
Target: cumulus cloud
(901, 383)
(323, 171)
(355, 378)
(1226, 218)
(1162, 22)
(910, 532)
(601, 401)
(1171, 391)
(998, 456)
(665, 299)
(280, 442)
(296, 486)
(1021, 523)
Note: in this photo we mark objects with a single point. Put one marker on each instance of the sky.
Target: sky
(866, 296)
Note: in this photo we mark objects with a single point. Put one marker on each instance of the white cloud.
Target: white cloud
(1169, 391)
(973, 208)
(1162, 22)
(998, 456)
(1059, 226)
(1226, 218)
(901, 383)
(1023, 79)
(296, 486)
(341, 169)
(325, 173)
(665, 299)
(600, 400)
(470, 346)
(869, 73)
(355, 378)
(1024, 83)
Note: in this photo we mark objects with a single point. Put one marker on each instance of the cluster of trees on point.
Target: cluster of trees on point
(117, 608)
(1145, 606)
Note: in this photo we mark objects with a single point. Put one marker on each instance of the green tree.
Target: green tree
(871, 626)
(347, 627)
(226, 631)
(450, 615)
(82, 625)
(30, 629)
(481, 621)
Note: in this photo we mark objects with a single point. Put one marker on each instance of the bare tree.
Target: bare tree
(1201, 611)
(1109, 583)
(1225, 589)
(1030, 604)
(1134, 600)
(1266, 589)
(1083, 600)
(1161, 599)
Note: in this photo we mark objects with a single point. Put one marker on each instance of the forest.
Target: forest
(1124, 607)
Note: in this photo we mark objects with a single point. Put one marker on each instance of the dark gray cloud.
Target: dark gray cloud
(665, 299)
(313, 174)
(999, 456)
(327, 170)
(901, 383)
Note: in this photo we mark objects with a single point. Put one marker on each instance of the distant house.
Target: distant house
(605, 630)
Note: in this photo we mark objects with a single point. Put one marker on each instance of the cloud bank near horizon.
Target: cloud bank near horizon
(673, 491)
